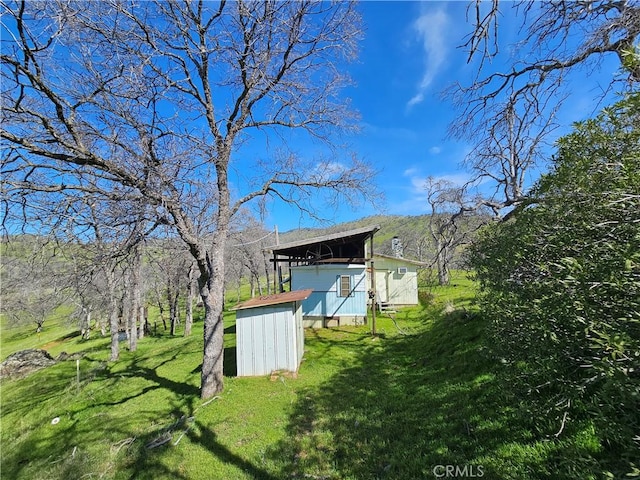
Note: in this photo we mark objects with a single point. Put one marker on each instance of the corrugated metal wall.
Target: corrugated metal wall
(269, 338)
(324, 280)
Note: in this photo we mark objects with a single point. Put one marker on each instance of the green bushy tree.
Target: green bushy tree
(561, 284)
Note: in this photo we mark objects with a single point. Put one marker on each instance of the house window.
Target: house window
(344, 286)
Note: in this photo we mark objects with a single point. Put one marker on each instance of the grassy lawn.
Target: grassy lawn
(422, 394)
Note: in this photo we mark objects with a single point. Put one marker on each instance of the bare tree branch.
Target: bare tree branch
(148, 103)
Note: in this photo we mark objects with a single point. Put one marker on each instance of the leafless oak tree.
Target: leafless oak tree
(29, 275)
(150, 102)
(509, 114)
(454, 217)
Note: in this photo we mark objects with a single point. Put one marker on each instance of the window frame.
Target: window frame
(341, 286)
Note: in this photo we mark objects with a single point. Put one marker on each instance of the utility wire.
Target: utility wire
(254, 241)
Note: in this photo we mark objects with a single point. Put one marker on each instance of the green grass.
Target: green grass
(422, 393)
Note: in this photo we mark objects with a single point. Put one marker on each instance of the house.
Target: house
(339, 294)
(396, 280)
(269, 333)
(337, 268)
(334, 267)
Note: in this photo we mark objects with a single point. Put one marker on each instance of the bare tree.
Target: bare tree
(171, 271)
(247, 248)
(153, 99)
(188, 317)
(510, 114)
(506, 151)
(112, 260)
(31, 291)
(455, 217)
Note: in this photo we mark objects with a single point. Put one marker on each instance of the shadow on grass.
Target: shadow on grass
(66, 435)
(230, 365)
(95, 416)
(207, 438)
(410, 404)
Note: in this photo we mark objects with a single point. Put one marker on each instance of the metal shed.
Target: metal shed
(269, 333)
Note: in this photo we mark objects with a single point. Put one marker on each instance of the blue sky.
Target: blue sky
(409, 55)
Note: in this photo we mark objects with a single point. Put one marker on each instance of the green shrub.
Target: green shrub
(561, 284)
(425, 297)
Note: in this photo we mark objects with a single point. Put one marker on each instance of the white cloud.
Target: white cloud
(435, 150)
(456, 179)
(326, 171)
(430, 29)
(416, 191)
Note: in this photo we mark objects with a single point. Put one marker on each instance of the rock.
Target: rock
(24, 362)
(449, 308)
(66, 356)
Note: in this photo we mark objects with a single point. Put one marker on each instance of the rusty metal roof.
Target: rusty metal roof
(351, 240)
(275, 299)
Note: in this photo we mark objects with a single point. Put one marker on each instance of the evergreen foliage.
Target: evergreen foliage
(560, 283)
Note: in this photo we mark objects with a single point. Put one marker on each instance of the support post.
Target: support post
(275, 263)
(373, 288)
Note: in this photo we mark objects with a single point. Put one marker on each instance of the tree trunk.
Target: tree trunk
(86, 327)
(175, 311)
(143, 321)
(212, 292)
(259, 285)
(188, 318)
(114, 322)
(443, 264)
(212, 361)
(267, 269)
(172, 313)
(172, 319)
(136, 285)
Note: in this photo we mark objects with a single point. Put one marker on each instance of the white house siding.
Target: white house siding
(325, 300)
(269, 338)
(393, 287)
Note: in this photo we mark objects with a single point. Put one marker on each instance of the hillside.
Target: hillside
(421, 395)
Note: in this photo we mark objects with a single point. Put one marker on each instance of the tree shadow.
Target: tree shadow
(184, 423)
(130, 443)
(207, 438)
(407, 405)
(136, 370)
(230, 365)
